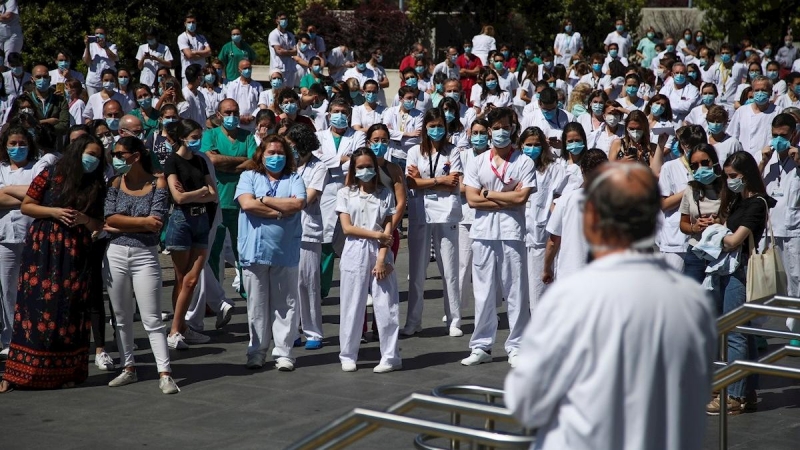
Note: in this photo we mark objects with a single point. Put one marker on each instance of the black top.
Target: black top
(191, 173)
(751, 213)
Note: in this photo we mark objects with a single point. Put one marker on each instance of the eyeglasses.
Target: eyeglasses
(133, 132)
(703, 162)
(105, 135)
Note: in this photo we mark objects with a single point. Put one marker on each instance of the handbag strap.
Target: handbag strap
(771, 240)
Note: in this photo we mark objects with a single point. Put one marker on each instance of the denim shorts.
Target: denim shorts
(185, 232)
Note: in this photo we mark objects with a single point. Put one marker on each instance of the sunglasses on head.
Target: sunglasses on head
(703, 162)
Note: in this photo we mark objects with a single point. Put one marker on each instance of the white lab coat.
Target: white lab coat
(567, 222)
(753, 128)
(246, 96)
(630, 370)
(331, 157)
(396, 121)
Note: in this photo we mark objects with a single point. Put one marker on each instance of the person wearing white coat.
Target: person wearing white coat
(246, 92)
(551, 180)
(335, 146)
(567, 44)
(498, 184)
(434, 205)
(366, 209)
(641, 307)
(405, 126)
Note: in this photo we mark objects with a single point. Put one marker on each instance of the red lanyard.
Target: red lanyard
(499, 175)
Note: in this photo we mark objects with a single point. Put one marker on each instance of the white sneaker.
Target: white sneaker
(4, 354)
(349, 367)
(444, 319)
(193, 337)
(177, 342)
(168, 385)
(254, 362)
(369, 300)
(386, 368)
(123, 379)
(165, 316)
(512, 358)
(410, 331)
(477, 356)
(224, 315)
(456, 332)
(103, 361)
(284, 364)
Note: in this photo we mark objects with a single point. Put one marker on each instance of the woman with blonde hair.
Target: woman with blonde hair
(484, 43)
(577, 99)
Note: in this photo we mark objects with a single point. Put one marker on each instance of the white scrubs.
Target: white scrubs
(567, 222)
(438, 213)
(309, 294)
(498, 250)
(753, 128)
(671, 241)
(371, 212)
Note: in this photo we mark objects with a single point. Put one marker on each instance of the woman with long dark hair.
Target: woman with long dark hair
(50, 342)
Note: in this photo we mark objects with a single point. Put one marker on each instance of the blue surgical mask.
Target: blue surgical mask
(89, 163)
(283, 23)
(780, 144)
(316, 68)
(597, 67)
(650, 35)
(230, 122)
(312, 36)
(578, 109)
(210, 78)
(275, 163)
(411, 82)
(449, 116)
(699, 38)
(528, 53)
(108, 86)
(702, 62)
(365, 174)
(532, 152)
(439, 87)
(113, 123)
(491, 84)
(379, 58)
(371, 97)
(436, 133)
(704, 175)
(676, 148)
(761, 97)
(63, 65)
(575, 147)
(146, 102)
(657, 109)
(17, 70)
(498, 65)
(679, 78)
(505, 54)
(123, 81)
(194, 146)
(693, 75)
(457, 97)
(670, 48)
(247, 73)
(620, 28)
(632, 91)
(339, 120)
(361, 67)
(736, 185)
(120, 166)
(168, 120)
(725, 57)
(772, 74)
(796, 90)
(353, 95)
(753, 74)
(749, 101)
(408, 105)
(501, 138)
(714, 128)
(43, 84)
(568, 28)
(708, 99)
(479, 141)
(379, 148)
(467, 50)
(17, 154)
(289, 108)
(236, 38)
(747, 53)
(613, 53)
(191, 27)
(549, 114)
(276, 83)
(419, 69)
(152, 42)
(597, 108)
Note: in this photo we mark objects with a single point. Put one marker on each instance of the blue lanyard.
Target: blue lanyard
(273, 188)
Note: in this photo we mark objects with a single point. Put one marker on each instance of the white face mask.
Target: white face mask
(612, 120)
(636, 135)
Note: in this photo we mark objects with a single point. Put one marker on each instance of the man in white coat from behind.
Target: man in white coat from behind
(618, 355)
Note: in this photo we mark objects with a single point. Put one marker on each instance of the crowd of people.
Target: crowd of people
(486, 152)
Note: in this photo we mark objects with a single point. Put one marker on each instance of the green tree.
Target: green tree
(764, 20)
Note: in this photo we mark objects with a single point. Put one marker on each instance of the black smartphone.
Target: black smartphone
(170, 85)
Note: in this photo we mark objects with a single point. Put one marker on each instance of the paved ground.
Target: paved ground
(224, 405)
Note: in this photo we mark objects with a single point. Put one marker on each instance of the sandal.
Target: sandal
(6, 387)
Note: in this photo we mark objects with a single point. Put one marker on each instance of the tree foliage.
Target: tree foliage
(761, 20)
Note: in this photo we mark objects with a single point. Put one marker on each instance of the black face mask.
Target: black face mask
(589, 257)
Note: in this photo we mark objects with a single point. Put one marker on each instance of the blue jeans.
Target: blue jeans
(185, 232)
(740, 346)
(693, 267)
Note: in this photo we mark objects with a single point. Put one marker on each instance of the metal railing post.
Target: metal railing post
(723, 397)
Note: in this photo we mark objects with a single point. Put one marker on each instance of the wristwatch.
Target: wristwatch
(485, 193)
(280, 215)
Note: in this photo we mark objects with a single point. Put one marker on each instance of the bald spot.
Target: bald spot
(130, 122)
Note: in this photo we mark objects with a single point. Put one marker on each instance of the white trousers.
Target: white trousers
(534, 273)
(10, 260)
(445, 244)
(12, 44)
(790, 253)
(674, 260)
(419, 245)
(130, 271)
(490, 260)
(208, 291)
(356, 281)
(464, 261)
(309, 296)
(271, 308)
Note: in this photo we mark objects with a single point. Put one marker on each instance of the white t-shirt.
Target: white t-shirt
(550, 183)
(368, 211)
(626, 103)
(602, 140)
(622, 40)
(365, 118)
(150, 67)
(315, 175)
(784, 102)
(697, 116)
(438, 206)
(467, 213)
(195, 43)
(482, 44)
(94, 106)
(567, 222)
(100, 62)
(727, 147)
(14, 224)
(339, 58)
(15, 86)
(674, 179)
(193, 108)
(449, 72)
(573, 174)
(505, 224)
(267, 97)
(753, 130)
(76, 112)
(213, 97)
(362, 77)
(423, 102)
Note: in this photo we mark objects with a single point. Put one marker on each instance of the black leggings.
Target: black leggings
(97, 303)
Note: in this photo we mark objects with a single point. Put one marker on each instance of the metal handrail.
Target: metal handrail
(737, 370)
(353, 427)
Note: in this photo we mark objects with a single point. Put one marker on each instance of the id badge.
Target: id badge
(776, 194)
(432, 196)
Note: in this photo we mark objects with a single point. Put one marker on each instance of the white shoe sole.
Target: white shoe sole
(456, 332)
(349, 368)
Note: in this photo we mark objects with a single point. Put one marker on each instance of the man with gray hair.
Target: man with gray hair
(131, 126)
(752, 124)
(633, 369)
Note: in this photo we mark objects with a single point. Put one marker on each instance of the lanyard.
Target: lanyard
(432, 165)
(45, 106)
(499, 175)
(783, 166)
(273, 188)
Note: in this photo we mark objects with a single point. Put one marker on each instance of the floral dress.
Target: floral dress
(50, 342)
